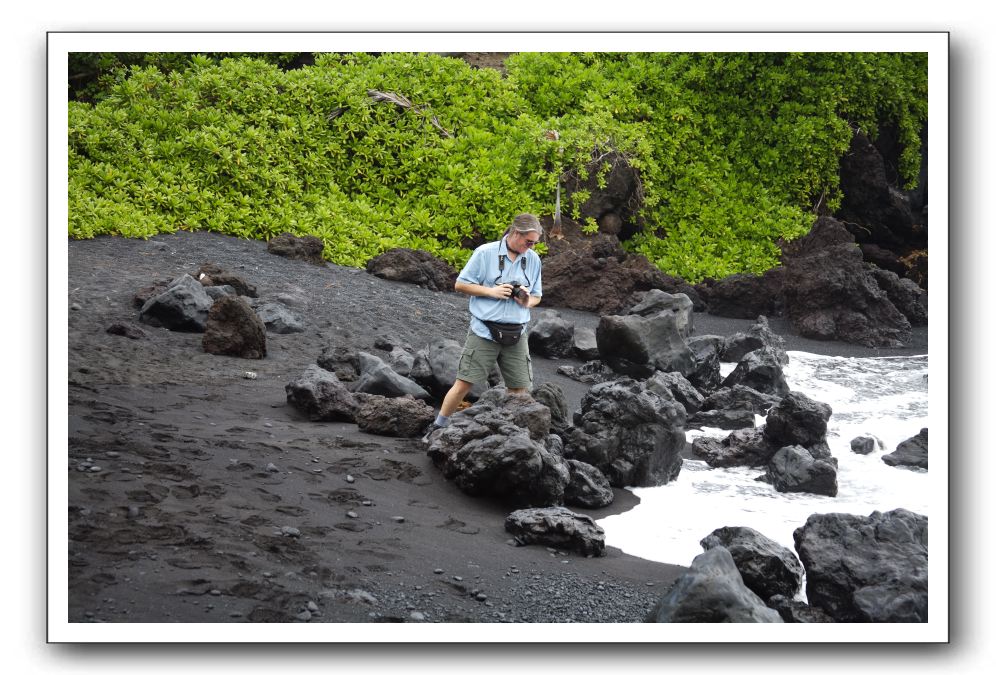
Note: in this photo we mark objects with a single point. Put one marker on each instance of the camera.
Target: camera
(518, 291)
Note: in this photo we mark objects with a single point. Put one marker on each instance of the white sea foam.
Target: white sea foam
(884, 397)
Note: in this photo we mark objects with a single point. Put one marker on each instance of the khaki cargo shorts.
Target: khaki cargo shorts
(480, 355)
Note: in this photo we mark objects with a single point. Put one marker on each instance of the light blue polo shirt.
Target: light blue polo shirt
(482, 269)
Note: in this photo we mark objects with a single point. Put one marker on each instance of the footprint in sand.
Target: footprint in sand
(459, 526)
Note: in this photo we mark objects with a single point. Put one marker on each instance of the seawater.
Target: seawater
(885, 397)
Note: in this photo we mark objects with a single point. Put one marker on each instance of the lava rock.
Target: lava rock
(233, 329)
(866, 569)
(712, 591)
(558, 527)
(767, 568)
(629, 433)
(321, 396)
(911, 452)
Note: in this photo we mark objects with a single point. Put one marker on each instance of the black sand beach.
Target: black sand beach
(174, 515)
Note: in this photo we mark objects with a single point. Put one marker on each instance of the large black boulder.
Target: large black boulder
(795, 469)
(629, 433)
(767, 567)
(558, 527)
(866, 568)
(911, 452)
(497, 448)
(414, 267)
(797, 420)
(712, 591)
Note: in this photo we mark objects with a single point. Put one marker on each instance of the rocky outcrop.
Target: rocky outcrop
(911, 452)
(321, 396)
(758, 336)
(743, 447)
(761, 370)
(414, 267)
(585, 344)
(376, 377)
(676, 387)
(183, 306)
(551, 336)
(712, 591)
(875, 211)
(211, 274)
(401, 417)
(233, 329)
(831, 294)
(558, 527)
(496, 448)
(552, 396)
(767, 568)
(796, 611)
(278, 318)
(797, 420)
(588, 488)
(865, 444)
(866, 569)
(639, 346)
(656, 301)
(595, 274)
(629, 433)
(707, 351)
(307, 248)
(795, 469)
(743, 296)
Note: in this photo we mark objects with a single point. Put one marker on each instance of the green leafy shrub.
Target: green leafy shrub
(419, 150)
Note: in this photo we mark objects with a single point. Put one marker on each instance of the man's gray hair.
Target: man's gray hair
(524, 222)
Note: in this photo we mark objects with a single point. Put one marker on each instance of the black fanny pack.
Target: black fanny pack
(506, 334)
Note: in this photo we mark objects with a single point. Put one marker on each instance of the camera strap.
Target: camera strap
(501, 268)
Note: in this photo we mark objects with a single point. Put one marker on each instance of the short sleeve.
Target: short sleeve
(471, 272)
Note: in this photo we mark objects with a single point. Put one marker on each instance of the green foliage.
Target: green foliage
(93, 74)
(732, 149)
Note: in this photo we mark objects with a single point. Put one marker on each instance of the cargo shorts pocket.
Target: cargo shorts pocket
(466, 368)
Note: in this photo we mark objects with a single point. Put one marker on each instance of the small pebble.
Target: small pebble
(290, 531)
(437, 571)
(133, 512)
(417, 616)
(272, 468)
(112, 454)
(304, 615)
(95, 469)
(351, 514)
(367, 502)
(316, 470)
(312, 607)
(398, 519)
(268, 424)
(350, 479)
(215, 591)
(457, 578)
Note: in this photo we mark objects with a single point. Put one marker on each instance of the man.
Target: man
(504, 281)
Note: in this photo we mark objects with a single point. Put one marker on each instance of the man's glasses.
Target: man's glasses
(530, 242)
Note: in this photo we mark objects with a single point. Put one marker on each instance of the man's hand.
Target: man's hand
(500, 292)
(523, 297)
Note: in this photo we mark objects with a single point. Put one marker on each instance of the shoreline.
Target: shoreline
(184, 522)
